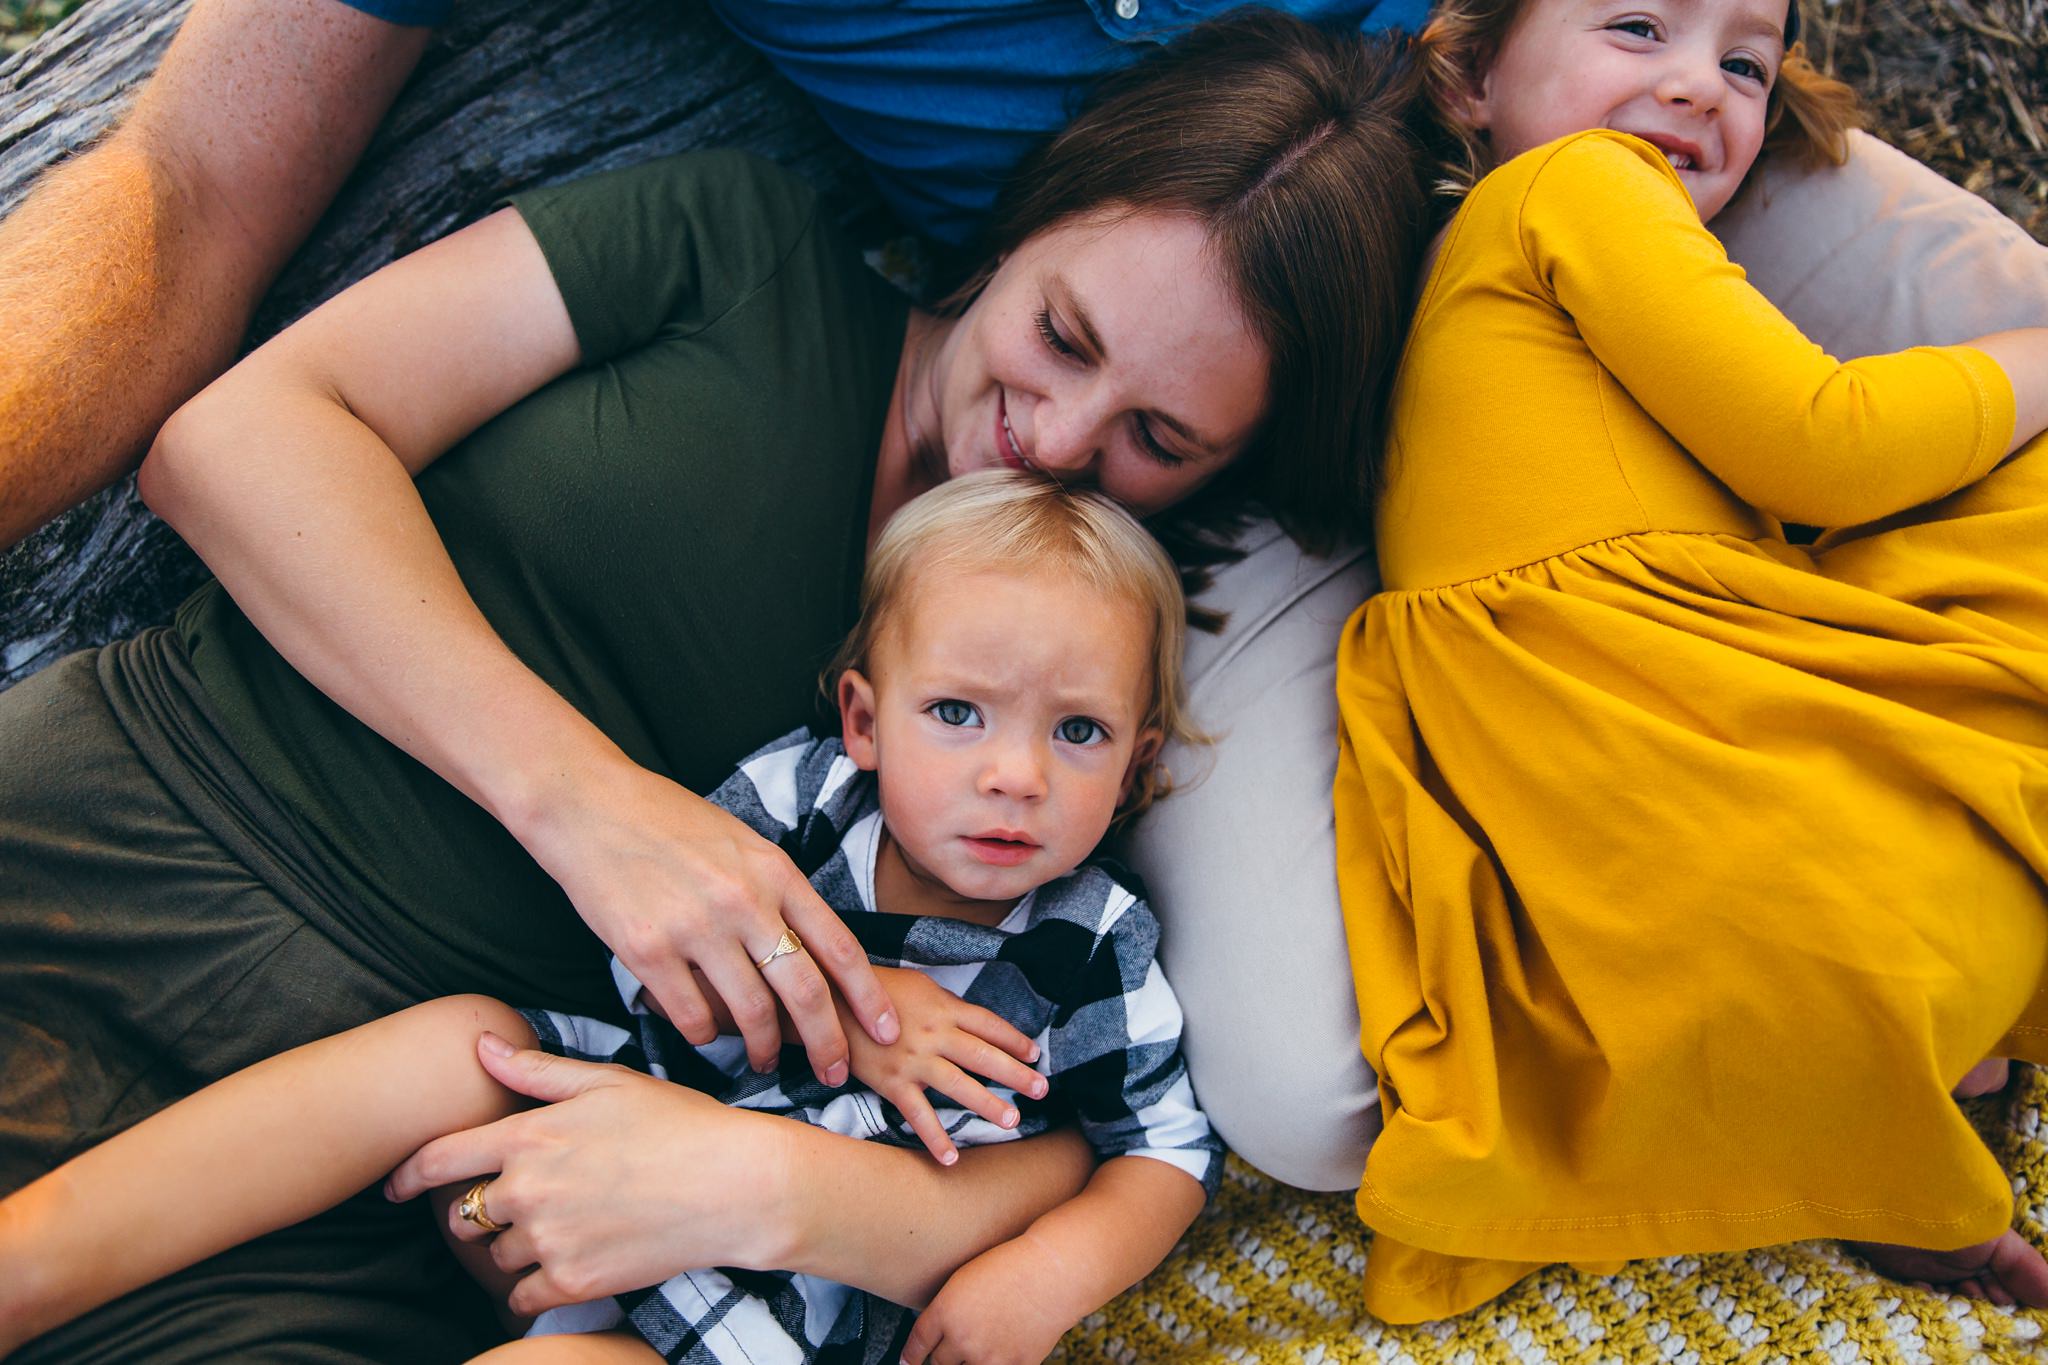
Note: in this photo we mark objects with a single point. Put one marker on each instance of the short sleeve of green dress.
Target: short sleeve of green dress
(671, 535)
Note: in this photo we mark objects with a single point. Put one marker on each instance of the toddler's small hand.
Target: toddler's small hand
(1004, 1307)
(943, 1038)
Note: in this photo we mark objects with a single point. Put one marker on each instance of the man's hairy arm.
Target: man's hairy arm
(128, 276)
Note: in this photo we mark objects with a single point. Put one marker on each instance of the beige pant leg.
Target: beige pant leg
(1241, 865)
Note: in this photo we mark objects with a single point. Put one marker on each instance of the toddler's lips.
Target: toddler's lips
(997, 851)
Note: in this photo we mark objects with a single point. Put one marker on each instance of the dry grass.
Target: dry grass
(1961, 84)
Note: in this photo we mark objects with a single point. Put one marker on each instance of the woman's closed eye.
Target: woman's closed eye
(1082, 731)
(1054, 342)
(1149, 443)
(954, 714)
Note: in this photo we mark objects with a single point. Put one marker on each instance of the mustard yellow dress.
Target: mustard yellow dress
(1685, 870)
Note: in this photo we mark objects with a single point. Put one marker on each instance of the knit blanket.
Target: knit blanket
(1271, 1273)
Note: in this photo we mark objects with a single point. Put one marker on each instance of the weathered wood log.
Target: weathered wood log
(513, 93)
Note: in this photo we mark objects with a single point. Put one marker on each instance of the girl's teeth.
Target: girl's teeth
(1679, 160)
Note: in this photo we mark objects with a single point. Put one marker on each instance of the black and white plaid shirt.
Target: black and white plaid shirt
(1073, 966)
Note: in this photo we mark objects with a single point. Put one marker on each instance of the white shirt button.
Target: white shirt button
(1126, 9)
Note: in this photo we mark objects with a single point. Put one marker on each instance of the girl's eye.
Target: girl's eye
(958, 714)
(1053, 340)
(1641, 28)
(1748, 67)
(1158, 453)
(1081, 730)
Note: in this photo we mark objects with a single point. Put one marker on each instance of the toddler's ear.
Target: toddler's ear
(1143, 754)
(857, 718)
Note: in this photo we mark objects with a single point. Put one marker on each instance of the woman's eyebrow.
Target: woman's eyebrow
(1077, 314)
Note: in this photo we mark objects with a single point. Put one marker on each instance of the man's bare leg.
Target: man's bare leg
(128, 276)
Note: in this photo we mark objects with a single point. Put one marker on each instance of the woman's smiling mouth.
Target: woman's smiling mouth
(1007, 448)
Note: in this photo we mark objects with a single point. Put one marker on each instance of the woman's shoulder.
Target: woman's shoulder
(725, 180)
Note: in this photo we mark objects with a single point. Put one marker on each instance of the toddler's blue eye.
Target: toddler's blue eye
(955, 713)
(1081, 730)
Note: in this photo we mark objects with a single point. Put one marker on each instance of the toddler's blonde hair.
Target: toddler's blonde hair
(1809, 115)
(1007, 520)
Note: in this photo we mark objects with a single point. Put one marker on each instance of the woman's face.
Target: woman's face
(1106, 352)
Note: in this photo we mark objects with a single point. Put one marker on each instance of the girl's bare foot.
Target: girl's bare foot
(2005, 1270)
(1986, 1078)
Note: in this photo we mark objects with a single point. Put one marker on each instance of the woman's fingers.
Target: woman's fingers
(477, 1152)
(468, 1155)
(512, 1250)
(838, 954)
(495, 1207)
(671, 991)
(734, 972)
(537, 1293)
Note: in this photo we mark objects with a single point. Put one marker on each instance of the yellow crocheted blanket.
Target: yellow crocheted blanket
(1271, 1273)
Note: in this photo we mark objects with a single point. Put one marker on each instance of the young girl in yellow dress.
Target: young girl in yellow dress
(1687, 870)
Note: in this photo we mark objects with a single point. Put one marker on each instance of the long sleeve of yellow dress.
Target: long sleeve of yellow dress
(1684, 870)
(1788, 428)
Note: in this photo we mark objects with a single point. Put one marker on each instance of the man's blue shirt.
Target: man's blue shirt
(942, 98)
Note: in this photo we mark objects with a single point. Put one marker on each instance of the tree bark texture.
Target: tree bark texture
(512, 94)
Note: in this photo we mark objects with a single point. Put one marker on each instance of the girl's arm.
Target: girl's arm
(1609, 233)
(292, 477)
(2023, 354)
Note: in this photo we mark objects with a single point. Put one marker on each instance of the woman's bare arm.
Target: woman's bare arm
(327, 547)
(621, 1181)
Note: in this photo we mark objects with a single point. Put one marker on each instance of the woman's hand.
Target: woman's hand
(619, 1182)
(943, 1038)
(670, 882)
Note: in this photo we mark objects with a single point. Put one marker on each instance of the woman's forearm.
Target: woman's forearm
(292, 477)
(894, 1222)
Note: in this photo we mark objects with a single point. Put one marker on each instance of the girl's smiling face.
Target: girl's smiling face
(1691, 77)
(1107, 352)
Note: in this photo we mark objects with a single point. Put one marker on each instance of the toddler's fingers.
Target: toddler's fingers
(971, 1095)
(970, 1053)
(917, 1112)
(991, 1027)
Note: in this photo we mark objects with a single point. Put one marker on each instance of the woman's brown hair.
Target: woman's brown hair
(1303, 152)
(1808, 117)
